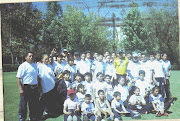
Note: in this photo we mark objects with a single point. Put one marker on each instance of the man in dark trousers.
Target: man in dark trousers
(28, 88)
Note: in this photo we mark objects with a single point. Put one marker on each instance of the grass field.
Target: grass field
(11, 99)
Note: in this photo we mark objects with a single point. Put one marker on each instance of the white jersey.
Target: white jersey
(88, 108)
(47, 77)
(146, 66)
(123, 90)
(59, 67)
(72, 70)
(167, 67)
(109, 91)
(71, 104)
(88, 86)
(28, 73)
(109, 69)
(83, 66)
(143, 86)
(116, 104)
(134, 99)
(133, 70)
(97, 67)
(80, 97)
(99, 85)
(159, 68)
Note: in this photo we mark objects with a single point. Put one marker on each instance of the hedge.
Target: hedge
(10, 67)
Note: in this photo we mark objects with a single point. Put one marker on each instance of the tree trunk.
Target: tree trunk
(12, 58)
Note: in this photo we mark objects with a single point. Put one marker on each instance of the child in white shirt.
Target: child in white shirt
(71, 107)
(78, 80)
(80, 93)
(88, 85)
(102, 106)
(109, 88)
(88, 109)
(118, 107)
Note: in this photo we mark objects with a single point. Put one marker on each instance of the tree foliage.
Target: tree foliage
(135, 33)
(21, 23)
(81, 32)
(163, 30)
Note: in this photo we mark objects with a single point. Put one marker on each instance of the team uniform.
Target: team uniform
(109, 69)
(28, 74)
(97, 67)
(110, 89)
(136, 103)
(97, 86)
(89, 109)
(119, 106)
(83, 66)
(121, 68)
(72, 70)
(80, 97)
(159, 75)
(145, 66)
(124, 93)
(71, 106)
(143, 85)
(88, 86)
(167, 67)
(158, 101)
(58, 68)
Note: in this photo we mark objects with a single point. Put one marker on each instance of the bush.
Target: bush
(10, 67)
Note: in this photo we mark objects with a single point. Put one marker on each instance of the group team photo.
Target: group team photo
(90, 60)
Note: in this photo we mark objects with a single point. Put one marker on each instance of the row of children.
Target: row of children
(112, 102)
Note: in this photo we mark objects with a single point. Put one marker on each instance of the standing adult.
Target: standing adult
(47, 77)
(27, 78)
(120, 64)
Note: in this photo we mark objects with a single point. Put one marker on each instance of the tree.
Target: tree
(163, 30)
(20, 28)
(135, 33)
(51, 31)
(82, 32)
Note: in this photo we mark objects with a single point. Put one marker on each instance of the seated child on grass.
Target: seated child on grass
(102, 107)
(87, 109)
(118, 107)
(71, 107)
(157, 103)
(137, 102)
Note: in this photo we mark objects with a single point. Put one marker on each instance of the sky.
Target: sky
(104, 11)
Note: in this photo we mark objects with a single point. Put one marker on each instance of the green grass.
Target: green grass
(11, 99)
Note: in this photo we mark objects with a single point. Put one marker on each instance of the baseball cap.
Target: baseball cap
(121, 51)
(76, 53)
(135, 54)
(71, 91)
(64, 50)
